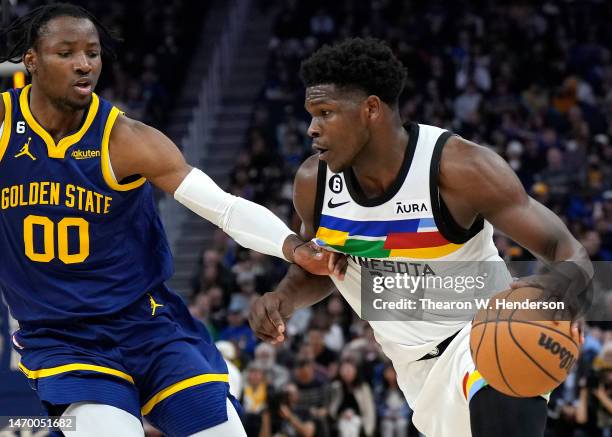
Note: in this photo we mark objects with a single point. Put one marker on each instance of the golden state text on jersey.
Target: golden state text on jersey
(74, 241)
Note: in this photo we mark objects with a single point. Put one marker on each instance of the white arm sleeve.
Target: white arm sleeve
(250, 224)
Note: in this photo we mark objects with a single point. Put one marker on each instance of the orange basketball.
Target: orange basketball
(521, 352)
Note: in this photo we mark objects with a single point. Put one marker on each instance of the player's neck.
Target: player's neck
(57, 121)
(378, 164)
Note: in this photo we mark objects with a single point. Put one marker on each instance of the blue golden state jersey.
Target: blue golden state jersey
(74, 242)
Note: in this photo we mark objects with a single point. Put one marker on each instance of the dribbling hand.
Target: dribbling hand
(556, 289)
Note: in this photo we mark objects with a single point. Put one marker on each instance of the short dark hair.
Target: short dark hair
(27, 30)
(367, 64)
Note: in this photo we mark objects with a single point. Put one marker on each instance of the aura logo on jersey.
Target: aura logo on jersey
(407, 208)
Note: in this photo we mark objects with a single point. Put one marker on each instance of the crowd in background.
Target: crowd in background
(532, 82)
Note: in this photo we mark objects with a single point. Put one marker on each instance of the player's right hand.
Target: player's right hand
(268, 316)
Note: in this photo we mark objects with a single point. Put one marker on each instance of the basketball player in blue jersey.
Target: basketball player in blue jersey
(84, 255)
(395, 197)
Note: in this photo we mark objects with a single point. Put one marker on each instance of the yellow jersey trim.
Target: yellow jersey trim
(52, 371)
(105, 158)
(332, 237)
(6, 130)
(57, 150)
(182, 385)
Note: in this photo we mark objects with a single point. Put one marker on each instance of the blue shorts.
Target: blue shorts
(151, 359)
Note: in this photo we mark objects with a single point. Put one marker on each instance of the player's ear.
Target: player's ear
(30, 61)
(373, 108)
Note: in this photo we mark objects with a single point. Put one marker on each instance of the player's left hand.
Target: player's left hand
(318, 261)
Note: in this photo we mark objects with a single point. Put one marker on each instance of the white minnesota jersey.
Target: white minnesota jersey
(406, 231)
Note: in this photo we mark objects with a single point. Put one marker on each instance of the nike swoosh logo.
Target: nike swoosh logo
(331, 204)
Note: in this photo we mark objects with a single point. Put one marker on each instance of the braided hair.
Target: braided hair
(30, 27)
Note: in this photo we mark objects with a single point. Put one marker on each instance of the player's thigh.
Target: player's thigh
(441, 408)
(99, 420)
(232, 427)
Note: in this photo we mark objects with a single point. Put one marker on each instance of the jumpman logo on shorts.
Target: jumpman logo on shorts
(25, 150)
(154, 305)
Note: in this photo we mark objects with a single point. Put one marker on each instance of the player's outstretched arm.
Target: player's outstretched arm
(298, 289)
(138, 149)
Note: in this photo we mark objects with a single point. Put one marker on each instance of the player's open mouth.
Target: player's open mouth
(83, 86)
(322, 152)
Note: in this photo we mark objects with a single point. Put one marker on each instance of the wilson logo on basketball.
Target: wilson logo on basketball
(567, 359)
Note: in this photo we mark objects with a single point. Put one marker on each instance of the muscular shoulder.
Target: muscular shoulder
(477, 175)
(306, 175)
(463, 157)
(138, 149)
(305, 191)
(130, 131)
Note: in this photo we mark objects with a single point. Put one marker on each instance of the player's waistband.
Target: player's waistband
(439, 349)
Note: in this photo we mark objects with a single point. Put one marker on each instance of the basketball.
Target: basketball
(521, 352)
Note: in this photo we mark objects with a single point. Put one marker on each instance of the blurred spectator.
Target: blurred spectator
(213, 273)
(218, 308)
(322, 24)
(352, 403)
(314, 394)
(467, 103)
(238, 330)
(200, 309)
(276, 375)
(283, 416)
(594, 405)
(323, 356)
(338, 316)
(557, 176)
(393, 410)
(228, 350)
(255, 398)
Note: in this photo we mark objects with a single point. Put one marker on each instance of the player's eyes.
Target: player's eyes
(63, 54)
(325, 112)
(93, 54)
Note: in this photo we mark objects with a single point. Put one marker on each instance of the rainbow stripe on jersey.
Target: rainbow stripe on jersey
(410, 238)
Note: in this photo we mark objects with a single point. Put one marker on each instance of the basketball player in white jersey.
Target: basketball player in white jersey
(395, 197)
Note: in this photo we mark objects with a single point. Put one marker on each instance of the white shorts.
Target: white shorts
(438, 390)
